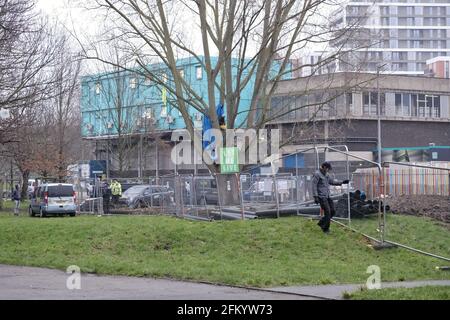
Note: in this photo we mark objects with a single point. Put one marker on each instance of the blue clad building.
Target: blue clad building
(133, 107)
(143, 103)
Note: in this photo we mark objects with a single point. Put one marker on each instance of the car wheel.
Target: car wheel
(72, 214)
(41, 213)
(30, 212)
(142, 205)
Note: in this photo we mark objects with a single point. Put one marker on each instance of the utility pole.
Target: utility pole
(157, 160)
(381, 220)
(107, 159)
(140, 175)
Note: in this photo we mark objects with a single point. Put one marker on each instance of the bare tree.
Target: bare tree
(63, 108)
(42, 129)
(27, 51)
(244, 44)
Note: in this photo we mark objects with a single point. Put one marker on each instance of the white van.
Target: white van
(54, 198)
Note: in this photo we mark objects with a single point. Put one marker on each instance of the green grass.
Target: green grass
(287, 251)
(8, 206)
(419, 293)
(418, 232)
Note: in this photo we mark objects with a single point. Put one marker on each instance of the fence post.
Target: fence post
(276, 195)
(218, 198)
(238, 177)
(177, 195)
(297, 184)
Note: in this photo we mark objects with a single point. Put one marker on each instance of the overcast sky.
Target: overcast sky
(70, 14)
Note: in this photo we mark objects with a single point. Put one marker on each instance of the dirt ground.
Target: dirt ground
(436, 207)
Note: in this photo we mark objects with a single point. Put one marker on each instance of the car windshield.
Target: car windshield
(60, 191)
(134, 190)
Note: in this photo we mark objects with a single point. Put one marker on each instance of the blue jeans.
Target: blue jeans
(17, 206)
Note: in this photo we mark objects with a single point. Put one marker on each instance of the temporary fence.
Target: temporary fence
(363, 204)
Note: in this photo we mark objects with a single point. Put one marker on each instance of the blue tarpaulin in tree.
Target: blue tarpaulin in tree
(207, 125)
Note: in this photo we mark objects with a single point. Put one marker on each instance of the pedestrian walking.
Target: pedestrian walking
(321, 191)
(16, 199)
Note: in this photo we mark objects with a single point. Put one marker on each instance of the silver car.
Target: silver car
(53, 198)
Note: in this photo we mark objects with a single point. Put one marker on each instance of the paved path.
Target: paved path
(38, 283)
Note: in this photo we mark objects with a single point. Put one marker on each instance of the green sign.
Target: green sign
(229, 160)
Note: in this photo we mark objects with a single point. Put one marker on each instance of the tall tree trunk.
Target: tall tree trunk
(25, 177)
(1, 194)
(228, 189)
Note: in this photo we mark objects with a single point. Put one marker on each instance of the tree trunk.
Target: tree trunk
(24, 192)
(228, 189)
(1, 194)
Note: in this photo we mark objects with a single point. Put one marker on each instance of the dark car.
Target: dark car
(142, 196)
(255, 192)
(206, 191)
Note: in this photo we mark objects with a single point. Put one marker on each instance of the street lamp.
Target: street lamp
(379, 115)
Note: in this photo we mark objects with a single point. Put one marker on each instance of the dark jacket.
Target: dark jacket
(321, 184)
(16, 195)
(106, 192)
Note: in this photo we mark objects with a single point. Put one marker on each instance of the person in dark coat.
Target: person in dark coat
(16, 199)
(106, 194)
(321, 191)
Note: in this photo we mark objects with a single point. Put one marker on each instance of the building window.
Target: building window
(429, 111)
(366, 103)
(163, 111)
(406, 105)
(414, 105)
(417, 105)
(98, 88)
(370, 103)
(350, 103)
(437, 106)
(148, 81)
(133, 83)
(398, 104)
(199, 72)
(421, 102)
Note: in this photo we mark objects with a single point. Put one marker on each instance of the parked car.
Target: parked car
(32, 185)
(206, 191)
(145, 195)
(53, 198)
(255, 192)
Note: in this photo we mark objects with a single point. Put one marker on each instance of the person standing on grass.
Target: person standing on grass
(321, 191)
(116, 190)
(106, 194)
(16, 199)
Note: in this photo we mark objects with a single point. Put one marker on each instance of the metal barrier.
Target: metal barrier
(91, 206)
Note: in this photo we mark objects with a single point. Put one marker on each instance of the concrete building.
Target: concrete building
(394, 36)
(415, 112)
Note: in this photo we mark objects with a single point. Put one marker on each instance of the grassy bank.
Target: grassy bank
(418, 232)
(287, 251)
